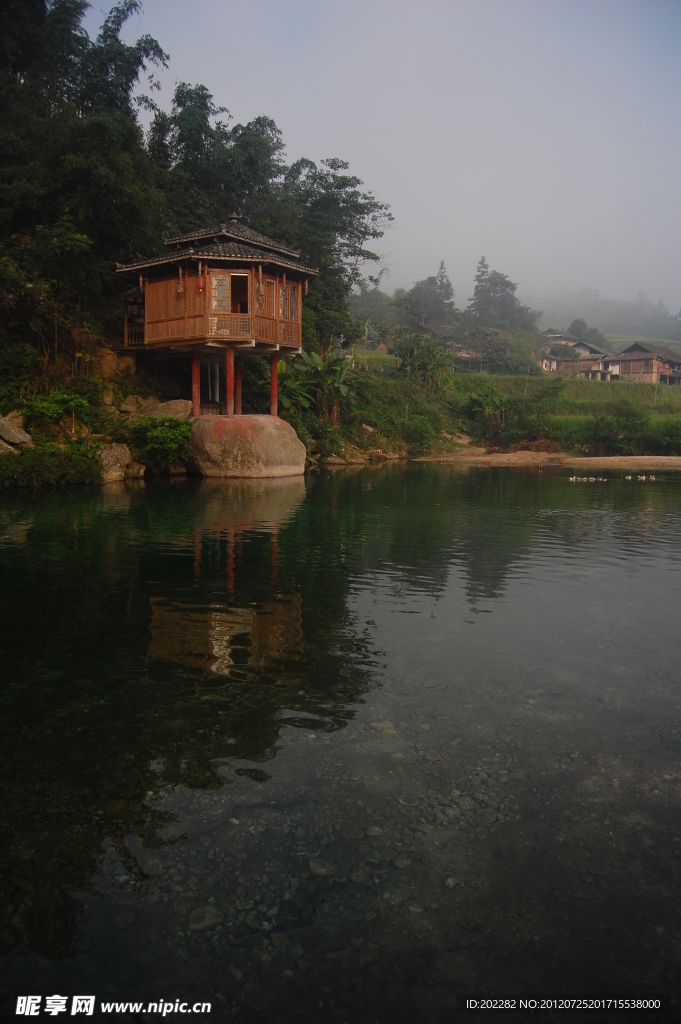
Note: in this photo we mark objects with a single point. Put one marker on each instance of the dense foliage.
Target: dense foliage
(494, 333)
(82, 187)
(619, 419)
(158, 443)
(52, 465)
(580, 328)
(495, 304)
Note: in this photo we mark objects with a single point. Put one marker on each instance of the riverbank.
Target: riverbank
(59, 429)
(538, 460)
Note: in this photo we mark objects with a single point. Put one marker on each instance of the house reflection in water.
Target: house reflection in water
(224, 640)
(220, 638)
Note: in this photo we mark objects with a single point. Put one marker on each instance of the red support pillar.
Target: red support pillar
(274, 383)
(229, 388)
(196, 385)
(197, 559)
(230, 561)
(273, 557)
(237, 385)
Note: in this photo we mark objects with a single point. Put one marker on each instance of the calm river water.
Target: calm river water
(339, 749)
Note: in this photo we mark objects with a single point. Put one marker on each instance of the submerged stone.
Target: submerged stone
(204, 918)
(321, 868)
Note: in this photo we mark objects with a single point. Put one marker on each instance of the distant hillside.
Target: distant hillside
(641, 318)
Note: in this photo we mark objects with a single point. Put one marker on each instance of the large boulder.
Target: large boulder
(134, 407)
(6, 449)
(12, 433)
(247, 446)
(178, 408)
(110, 364)
(148, 406)
(130, 404)
(114, 459)
(106, 363)
(17, 417)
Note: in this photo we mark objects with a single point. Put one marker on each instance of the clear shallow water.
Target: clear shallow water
(343, 748)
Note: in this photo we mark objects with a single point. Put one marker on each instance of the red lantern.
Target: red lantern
(199, 282)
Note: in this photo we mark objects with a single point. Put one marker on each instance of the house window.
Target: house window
(239, 293)
(220, 293)
(270, 296)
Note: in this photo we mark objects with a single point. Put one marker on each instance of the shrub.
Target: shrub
(420, 434)
(160, 442)
(43, 409)
(50, 465)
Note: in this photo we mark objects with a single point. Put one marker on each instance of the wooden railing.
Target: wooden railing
(289, 334)
(265, 329)
(232, 326)
(133, 334)
(218, 326)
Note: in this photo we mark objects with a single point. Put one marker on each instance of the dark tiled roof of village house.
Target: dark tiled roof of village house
(232, 229)
(226, 251)
(661, 351)
(552, 332)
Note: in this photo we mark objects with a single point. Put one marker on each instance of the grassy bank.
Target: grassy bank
(372, 411)
(392, 413)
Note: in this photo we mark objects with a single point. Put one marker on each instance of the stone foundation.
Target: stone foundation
(246, 447)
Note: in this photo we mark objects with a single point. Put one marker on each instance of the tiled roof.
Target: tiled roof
(573, 340)
(661, 351)
(553, 333)
(235, 230)
(227, 251)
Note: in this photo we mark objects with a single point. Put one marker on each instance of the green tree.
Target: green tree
(207, 169)
(77, 192)
(495, 304)
(422, 358)
(323, 211)
(580, 328)
(81, 188)
(430, 301)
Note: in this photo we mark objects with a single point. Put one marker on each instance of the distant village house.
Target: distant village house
(645, 362)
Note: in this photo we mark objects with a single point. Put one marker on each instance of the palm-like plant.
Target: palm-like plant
(312, 380)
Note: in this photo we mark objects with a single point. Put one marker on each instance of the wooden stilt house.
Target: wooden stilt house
(217, 293)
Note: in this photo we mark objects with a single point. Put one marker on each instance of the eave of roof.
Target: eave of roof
(553, 333)
(236, 231)
(596, 349)
(654, 350)
(228, 252)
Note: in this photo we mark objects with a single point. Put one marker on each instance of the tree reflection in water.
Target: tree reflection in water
(156, 630)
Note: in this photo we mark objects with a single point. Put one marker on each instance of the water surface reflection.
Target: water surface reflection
(346, 747)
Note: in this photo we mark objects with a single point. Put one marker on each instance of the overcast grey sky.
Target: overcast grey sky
(543, 134)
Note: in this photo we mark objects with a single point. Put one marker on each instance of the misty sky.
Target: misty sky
(543, 134)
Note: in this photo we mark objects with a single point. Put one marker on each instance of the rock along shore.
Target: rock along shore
(246, 447)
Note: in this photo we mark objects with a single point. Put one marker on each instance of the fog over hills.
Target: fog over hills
(540, 135)
(639, 318)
